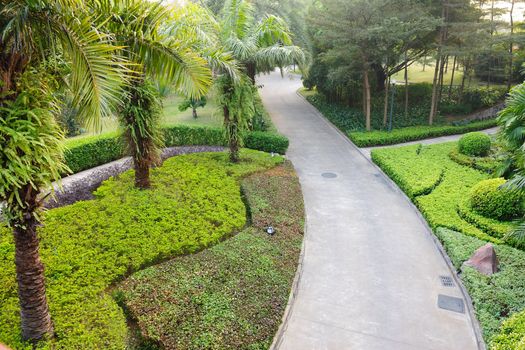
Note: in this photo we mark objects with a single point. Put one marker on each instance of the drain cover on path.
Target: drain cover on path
(446, 281)
(451, 303)
(329, 175)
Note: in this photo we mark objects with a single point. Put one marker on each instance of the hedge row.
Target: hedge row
(485, 164)
(414, 133)
(93, 151)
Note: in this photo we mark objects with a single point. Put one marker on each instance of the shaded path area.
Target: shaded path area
(370, 275)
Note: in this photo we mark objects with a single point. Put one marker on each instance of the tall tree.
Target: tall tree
(31, 156)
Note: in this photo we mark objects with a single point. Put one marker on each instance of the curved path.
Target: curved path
(370, 274)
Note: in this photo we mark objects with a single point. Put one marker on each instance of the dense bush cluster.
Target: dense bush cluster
(92, 151)
(414, 133)
(472, 100)
(491, 199)
(485, 164)
(476, 144)
(232, 295)
(194, 203)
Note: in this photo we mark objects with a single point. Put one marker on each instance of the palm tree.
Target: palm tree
(31, 154)
(258, 46)
(512, 132)
(142, 28)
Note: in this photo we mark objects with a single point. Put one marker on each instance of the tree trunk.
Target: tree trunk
(406, 85)
(385, 111)
(441, 82)
(233, 136)
(34, 310)
(367, 99)
(142, 178)
(452, 77)
(381, 77)
(251, 71)
(434, 90)
(194, 112)
(511, 59)
(424, 62)
(465, 73)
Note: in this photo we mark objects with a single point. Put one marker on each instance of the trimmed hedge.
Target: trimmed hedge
(414, 133)
(89, 152)
(194, 203)
(495, 228)
(485, 164)
(476, 144)
(511, 335)
(489, 199)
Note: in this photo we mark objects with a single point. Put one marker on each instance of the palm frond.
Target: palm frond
(278, 56)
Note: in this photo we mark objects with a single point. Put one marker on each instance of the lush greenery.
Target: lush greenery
(475, 144)
(92, 151)
(487, 164)
(231, 296)
(495, 297)
(194, 203)
(441, 188)
(491, 199)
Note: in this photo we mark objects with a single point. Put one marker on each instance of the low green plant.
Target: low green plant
(491, 199)
(195, 202)
(232, 295)
(493, 227)
(486, 164)
(414, 133)
(475, 144)
(89, 152)
(512, 334)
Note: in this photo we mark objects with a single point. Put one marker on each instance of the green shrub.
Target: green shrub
(485, 164)
(266, 142)
(194, 203)
(89, 152)
(491, 200)
(493, 227)
(232, 295)
(511, 335)
(497, 297)
(475, 144)
(414, 133)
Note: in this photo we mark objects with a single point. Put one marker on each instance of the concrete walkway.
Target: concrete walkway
(370, 275)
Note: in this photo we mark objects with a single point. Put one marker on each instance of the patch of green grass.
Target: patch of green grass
(195, 202)
(233, 295)
(495, 297)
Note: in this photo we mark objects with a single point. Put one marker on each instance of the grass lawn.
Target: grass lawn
(439, 186)
(86, 247)
(233, 295)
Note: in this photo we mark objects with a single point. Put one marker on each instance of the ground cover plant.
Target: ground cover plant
(233, 295)
(442, 189)
(195, 202)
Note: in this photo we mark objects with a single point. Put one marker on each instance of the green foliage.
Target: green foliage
(495, 297)
(32, 150)
(415, 169)
(493, 227)
(485, 164)
(472, 100)
(414, 133)
(267, 142)
(475, 144)
(89, 152)
(192, 103)
(491, 199)
(195, 202)
(233, 295)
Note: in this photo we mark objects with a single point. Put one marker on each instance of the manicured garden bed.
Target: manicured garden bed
(233, 295)
(439, 185)
(195, 202)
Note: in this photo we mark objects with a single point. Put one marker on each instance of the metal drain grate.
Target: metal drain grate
(446, 302)
(329, 175)
(446, 281)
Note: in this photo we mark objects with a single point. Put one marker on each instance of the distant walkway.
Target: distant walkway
(370, 277)
(367, 150)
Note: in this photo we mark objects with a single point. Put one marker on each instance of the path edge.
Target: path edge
(468, 300)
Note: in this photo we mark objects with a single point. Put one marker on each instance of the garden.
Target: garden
(455, 187)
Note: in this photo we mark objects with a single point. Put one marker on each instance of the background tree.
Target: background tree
(31, 155)
(193, 103)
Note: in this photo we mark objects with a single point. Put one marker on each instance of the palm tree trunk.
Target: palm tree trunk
(233, 136)
(34, 310)
(194, 113)
(251, 71)
(142, 178)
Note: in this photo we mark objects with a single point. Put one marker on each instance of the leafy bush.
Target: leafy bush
(495, 297)
(475, 144)
(485, 164)
(194, 203)
(93, 151)
(233, 295)
(408, 168)
(414, 133)
(491, 200)
(493, 227)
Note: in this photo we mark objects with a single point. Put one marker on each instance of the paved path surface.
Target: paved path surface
(366, 151)
(370, 273)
